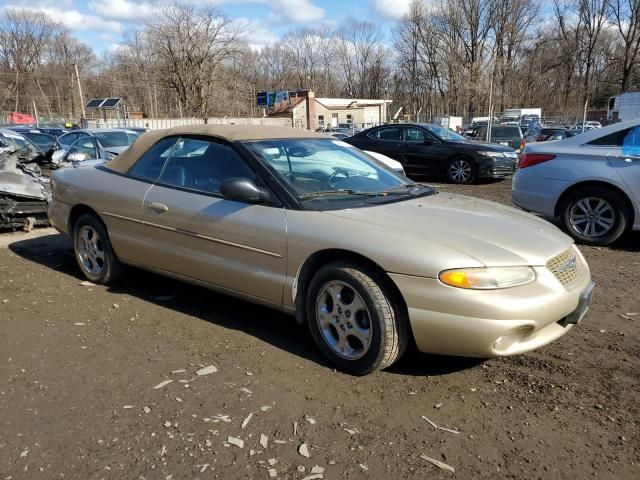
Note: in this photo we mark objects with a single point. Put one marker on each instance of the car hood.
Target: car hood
(493, 234)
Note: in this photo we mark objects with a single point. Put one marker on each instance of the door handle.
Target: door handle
(629, 158)
(158, 207)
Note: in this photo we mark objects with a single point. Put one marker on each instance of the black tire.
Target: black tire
(388, 322)
(101, 255)
(461, 170)
(618, 217)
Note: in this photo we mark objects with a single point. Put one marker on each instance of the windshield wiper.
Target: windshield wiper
(344, 191)
(405, 188)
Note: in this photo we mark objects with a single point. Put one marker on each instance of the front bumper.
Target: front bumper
(497, 168)
(491, 323)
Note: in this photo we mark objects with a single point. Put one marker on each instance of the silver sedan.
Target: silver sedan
(590, 183)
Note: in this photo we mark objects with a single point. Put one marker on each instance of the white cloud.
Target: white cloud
(74, 20)
(256, 33)
(391, 9)
(123, 9)
(297, 11)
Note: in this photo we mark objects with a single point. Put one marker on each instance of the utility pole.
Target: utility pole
(584, 114)
(80, 91)
(17, 87)
(35, 113)
(490, 108)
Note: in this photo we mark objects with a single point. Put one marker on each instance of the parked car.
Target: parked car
(589, 182)
(587, 125)
(433, 150)
(503, 134)
(308, 225)
(112, 140)
(338, 135)
(138, 130)
(45, 141)
(561, 135)
(538, 133)
(387, 162)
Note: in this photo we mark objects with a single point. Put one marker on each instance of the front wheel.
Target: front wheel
(594, 215)
(355, 319)
(93, 250)
(461, 170)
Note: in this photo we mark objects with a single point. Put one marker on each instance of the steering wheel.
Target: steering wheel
(334, 176)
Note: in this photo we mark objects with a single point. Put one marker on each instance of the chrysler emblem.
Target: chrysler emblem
(570, 264)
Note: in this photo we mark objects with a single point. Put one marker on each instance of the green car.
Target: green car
(508, 135)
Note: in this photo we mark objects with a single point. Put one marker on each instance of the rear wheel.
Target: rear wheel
(93, 250)
(355, 319)
(461, 170)
(594, 215)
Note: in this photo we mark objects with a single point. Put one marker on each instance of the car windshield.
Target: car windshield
(114, 139)
(331, 174)
(445, 134)
(19, 143)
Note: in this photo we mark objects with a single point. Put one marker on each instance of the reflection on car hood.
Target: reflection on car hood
(479, 146)
(494, 234)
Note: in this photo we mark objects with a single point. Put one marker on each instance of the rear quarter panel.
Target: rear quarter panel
(105, 193)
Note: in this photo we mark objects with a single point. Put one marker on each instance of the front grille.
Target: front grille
(566, 267)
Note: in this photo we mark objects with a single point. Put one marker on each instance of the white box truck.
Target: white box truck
(521, 116)
(623, 107)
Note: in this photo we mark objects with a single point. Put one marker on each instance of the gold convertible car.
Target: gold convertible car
(310, 225)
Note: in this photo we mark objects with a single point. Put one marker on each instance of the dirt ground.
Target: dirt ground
(82, 397)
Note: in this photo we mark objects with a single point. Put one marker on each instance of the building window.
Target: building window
(349, 119)
(321, 120)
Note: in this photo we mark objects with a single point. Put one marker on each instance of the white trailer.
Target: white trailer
(452, 123)
(623, 107)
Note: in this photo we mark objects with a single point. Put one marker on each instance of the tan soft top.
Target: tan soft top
(232, 133)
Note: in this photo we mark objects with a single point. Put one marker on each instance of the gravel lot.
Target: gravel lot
(79, 363)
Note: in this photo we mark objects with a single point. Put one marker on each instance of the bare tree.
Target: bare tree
(626, 16)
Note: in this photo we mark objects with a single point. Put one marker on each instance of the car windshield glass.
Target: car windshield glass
(332, 174)
(445, 134)
(19, 143)
(113, 139)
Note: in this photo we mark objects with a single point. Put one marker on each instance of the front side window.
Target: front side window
(203, 165)
(331, 174)
(414, 135)
(149, 166)
(83, 149)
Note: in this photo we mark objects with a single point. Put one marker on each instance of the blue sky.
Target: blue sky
(101, 23)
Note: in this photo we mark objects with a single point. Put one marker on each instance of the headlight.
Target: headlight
(487, 278)
(492, 154)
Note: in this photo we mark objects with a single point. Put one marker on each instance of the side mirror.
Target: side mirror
(244, 190)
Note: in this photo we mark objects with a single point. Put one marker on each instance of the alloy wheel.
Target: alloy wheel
(344, 320)
(592, 217)
(460, 171)
(90, 250)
